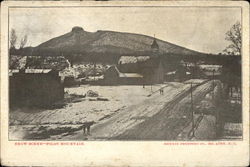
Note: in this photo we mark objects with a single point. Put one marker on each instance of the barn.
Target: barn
(113, 76)
(34, 87)
(149, 66)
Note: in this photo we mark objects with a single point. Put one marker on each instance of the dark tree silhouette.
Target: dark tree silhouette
(234, 36)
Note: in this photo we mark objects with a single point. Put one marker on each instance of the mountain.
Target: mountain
(108, 42)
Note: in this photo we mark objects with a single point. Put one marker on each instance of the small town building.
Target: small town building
(177, 76)
(113, 77)
(143, 69)
(34, 87)
(211, 71)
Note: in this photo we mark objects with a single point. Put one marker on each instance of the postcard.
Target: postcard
(155, 83)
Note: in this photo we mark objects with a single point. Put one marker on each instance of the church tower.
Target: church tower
(154, 47)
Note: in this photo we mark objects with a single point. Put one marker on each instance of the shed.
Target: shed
(35, 87)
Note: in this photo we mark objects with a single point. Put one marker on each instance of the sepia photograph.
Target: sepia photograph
(156, 83)
(125, 73)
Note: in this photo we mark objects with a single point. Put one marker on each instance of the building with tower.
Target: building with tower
(139, 69)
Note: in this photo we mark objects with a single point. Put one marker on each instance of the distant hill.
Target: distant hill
(118, 43)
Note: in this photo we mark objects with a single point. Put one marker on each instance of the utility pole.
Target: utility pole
(94, 70)
(32, 52)
(143, 84)
(192, 109)
(213, 85)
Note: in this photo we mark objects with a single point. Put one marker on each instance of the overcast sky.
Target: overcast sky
(200, 29)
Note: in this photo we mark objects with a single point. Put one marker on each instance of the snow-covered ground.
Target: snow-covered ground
(85, 109)
(123, 112)
(26, 122)
(195, 81)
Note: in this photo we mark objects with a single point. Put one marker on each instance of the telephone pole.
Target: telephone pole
(192, 109)
(213, 85)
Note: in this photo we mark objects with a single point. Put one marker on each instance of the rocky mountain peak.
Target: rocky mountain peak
(77, 29)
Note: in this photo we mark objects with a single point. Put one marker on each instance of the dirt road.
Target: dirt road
(161, 117)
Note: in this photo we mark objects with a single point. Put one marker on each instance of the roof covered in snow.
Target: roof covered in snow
(132, 59)
(38, 71)
(124, 75)
(29, 71)
(174, 72)
(37, 62)
(210, 66)
(130, 75)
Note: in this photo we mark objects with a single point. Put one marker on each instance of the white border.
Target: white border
(120, 153)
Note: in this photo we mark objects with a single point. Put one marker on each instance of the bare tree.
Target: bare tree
(13, 39)
(234, 36)
(23, 41)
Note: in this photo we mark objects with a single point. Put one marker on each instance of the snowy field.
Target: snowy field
(27, 122)
(85, 109)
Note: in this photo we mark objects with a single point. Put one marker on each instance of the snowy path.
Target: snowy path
(158, 118)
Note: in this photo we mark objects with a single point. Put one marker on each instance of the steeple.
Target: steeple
(154, 45)
(155, 48)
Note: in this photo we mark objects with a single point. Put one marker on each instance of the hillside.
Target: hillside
(117, 43)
